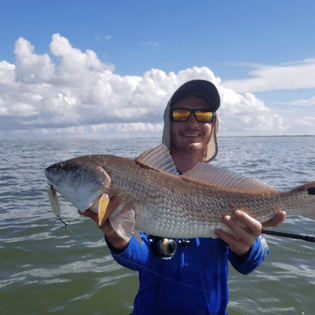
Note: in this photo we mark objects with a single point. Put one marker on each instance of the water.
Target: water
(46, 269)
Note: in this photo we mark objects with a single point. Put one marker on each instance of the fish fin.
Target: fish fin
(124, 223)
(137, 236)
(158, 159)
(203, 173)
(53, 198)
(102, 208)
(118, 210)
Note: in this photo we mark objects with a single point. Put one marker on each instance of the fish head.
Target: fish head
(80, 182)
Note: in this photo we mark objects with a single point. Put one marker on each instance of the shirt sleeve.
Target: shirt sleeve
(135, 256)
(256, 255)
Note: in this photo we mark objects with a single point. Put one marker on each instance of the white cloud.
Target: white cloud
(308, 102)
(298, 75)
(298, 62)
(245, 114)
(102, 131)
(106, 37)
(151, 43)
(7, 73)
(29, 66)
(307, 121)
(70, 93)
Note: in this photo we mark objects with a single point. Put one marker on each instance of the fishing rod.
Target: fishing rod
(290, 235)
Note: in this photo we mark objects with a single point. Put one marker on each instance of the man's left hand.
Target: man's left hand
(244, 238)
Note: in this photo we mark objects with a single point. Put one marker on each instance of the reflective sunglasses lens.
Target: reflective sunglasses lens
(204, 116)
(181, 114)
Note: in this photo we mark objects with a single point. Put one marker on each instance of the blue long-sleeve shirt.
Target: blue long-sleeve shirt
(194, 281)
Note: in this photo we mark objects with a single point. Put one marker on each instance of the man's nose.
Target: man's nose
(192, 120)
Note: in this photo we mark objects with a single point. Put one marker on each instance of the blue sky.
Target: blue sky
(261, 56)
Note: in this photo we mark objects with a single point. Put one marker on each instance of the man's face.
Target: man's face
(191, 136)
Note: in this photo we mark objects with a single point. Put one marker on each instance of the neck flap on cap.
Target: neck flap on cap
(207, 90)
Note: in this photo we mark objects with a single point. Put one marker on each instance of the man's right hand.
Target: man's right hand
(111, 236)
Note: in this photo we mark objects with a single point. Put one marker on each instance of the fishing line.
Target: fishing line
(293, 236)
(291, 249)
(66, 226)
(245, 311)
(59, 218)
(196, 288)
(243, 308)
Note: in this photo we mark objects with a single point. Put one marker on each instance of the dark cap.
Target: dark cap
(200, 87)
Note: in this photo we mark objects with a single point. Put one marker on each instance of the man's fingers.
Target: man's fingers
(244, 237)
(90, 214)
(235, 244)
(252, 224)
(276, 220)
(113, 204)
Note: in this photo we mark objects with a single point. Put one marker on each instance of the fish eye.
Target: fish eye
(57, 167)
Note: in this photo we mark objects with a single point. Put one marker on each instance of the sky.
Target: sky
(106, 69)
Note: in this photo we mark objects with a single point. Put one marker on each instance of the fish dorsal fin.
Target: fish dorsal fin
(213, 175)
(158, 159)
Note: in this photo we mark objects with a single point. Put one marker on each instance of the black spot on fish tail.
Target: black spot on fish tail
(311, 191)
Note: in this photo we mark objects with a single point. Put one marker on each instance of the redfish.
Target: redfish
(163, 203)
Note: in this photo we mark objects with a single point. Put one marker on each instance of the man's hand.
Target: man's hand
(244, 238)
(111, 236)
(276, 220)
(105, 227)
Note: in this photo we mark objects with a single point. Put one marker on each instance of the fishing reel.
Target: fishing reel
(165, 248)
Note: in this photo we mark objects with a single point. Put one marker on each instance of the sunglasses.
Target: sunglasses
(183, 114)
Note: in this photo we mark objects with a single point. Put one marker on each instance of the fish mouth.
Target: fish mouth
(50, 183)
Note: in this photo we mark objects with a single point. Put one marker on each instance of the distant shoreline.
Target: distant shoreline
(144, 138)
(276, 136)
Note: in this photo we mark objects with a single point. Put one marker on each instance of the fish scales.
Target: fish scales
(166, 205)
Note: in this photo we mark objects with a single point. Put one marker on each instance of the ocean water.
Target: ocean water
(47, 269)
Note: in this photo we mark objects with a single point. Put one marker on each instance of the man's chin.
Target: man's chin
(193, 147)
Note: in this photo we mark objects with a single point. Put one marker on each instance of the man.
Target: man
(194, 280)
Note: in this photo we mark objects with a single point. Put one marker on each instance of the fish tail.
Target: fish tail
(300, 200)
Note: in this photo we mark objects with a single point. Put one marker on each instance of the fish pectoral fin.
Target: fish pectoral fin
(124, 223)
(207, 174)
(53, 198)
(158, 159)
(137, 236)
